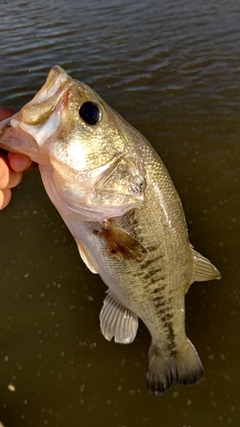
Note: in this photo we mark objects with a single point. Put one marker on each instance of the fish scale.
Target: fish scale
(147, 276)
(119, 202)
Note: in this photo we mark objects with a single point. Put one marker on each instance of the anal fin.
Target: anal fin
(203, 269)
(117, 321)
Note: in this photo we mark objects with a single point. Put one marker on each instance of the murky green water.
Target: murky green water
(172, 69)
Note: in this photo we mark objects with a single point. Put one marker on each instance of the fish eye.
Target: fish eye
(90, 113)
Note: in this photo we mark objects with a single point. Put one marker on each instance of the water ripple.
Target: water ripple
(140, 46)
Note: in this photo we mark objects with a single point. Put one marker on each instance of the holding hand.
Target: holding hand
(12, 166)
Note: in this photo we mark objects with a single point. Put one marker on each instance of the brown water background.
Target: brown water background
(172, 69)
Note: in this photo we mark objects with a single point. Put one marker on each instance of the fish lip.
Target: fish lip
(48, 98)
(57, 77)
(41, 117)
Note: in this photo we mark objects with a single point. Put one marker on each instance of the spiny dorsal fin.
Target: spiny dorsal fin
(120, 243)
(117, 321)
(203, 269)
(184, 367)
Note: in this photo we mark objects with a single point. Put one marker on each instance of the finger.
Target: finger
(5, 197)
(8, 178)
(20, 163)
(5, 113)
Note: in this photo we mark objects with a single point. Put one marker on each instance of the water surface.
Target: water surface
(172, 69)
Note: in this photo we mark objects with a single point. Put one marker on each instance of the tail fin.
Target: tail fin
(184, 367)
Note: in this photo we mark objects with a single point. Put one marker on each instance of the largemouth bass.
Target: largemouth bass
(119, 202)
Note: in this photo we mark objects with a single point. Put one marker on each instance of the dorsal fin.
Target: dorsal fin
(203, 269)
(117, 321)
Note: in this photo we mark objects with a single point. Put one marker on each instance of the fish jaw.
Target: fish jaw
(41, 117)
(28, 130)
(17, 140)
(40, 108)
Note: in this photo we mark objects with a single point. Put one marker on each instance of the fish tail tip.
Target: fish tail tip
(183, 367)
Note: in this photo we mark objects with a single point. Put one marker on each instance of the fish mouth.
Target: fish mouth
(42, 116)
(48, 98)
(40, 119)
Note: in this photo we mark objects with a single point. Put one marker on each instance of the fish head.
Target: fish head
(92, 156)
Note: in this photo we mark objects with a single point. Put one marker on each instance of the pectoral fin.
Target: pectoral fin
(120, 243)
(117, 321)
(203, 269)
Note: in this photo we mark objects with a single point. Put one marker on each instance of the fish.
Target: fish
(117, 199)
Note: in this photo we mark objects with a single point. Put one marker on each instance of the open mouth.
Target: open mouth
(48, 99)
(29, 129)
(41, 117)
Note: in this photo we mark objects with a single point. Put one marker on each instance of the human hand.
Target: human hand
(12, 166)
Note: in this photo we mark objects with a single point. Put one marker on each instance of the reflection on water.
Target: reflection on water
(172, 70)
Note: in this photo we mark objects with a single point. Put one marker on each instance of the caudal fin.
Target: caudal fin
(184, 367)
